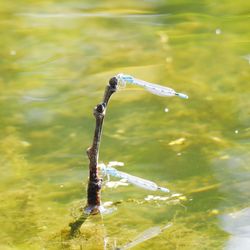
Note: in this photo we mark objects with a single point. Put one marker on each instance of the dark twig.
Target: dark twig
(94, 184)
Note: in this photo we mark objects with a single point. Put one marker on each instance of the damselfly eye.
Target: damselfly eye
(121, 81)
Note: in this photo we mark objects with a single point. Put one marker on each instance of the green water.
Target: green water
(56, 59)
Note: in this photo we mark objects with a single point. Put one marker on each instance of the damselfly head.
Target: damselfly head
(103, 168)
(121, 81)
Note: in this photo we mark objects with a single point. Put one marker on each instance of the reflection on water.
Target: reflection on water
(237, 224)
(146, 235)
(55, 61)
(233, 171)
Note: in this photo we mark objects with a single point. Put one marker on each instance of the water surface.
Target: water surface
(56, 59)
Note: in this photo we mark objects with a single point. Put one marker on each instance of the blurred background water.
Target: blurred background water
(56, 59)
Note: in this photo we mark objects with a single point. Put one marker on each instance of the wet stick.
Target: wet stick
(94, 184)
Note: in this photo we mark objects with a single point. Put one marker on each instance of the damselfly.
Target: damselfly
(151, 87)
(137, 181)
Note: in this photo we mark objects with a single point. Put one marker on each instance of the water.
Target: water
(56, 59)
